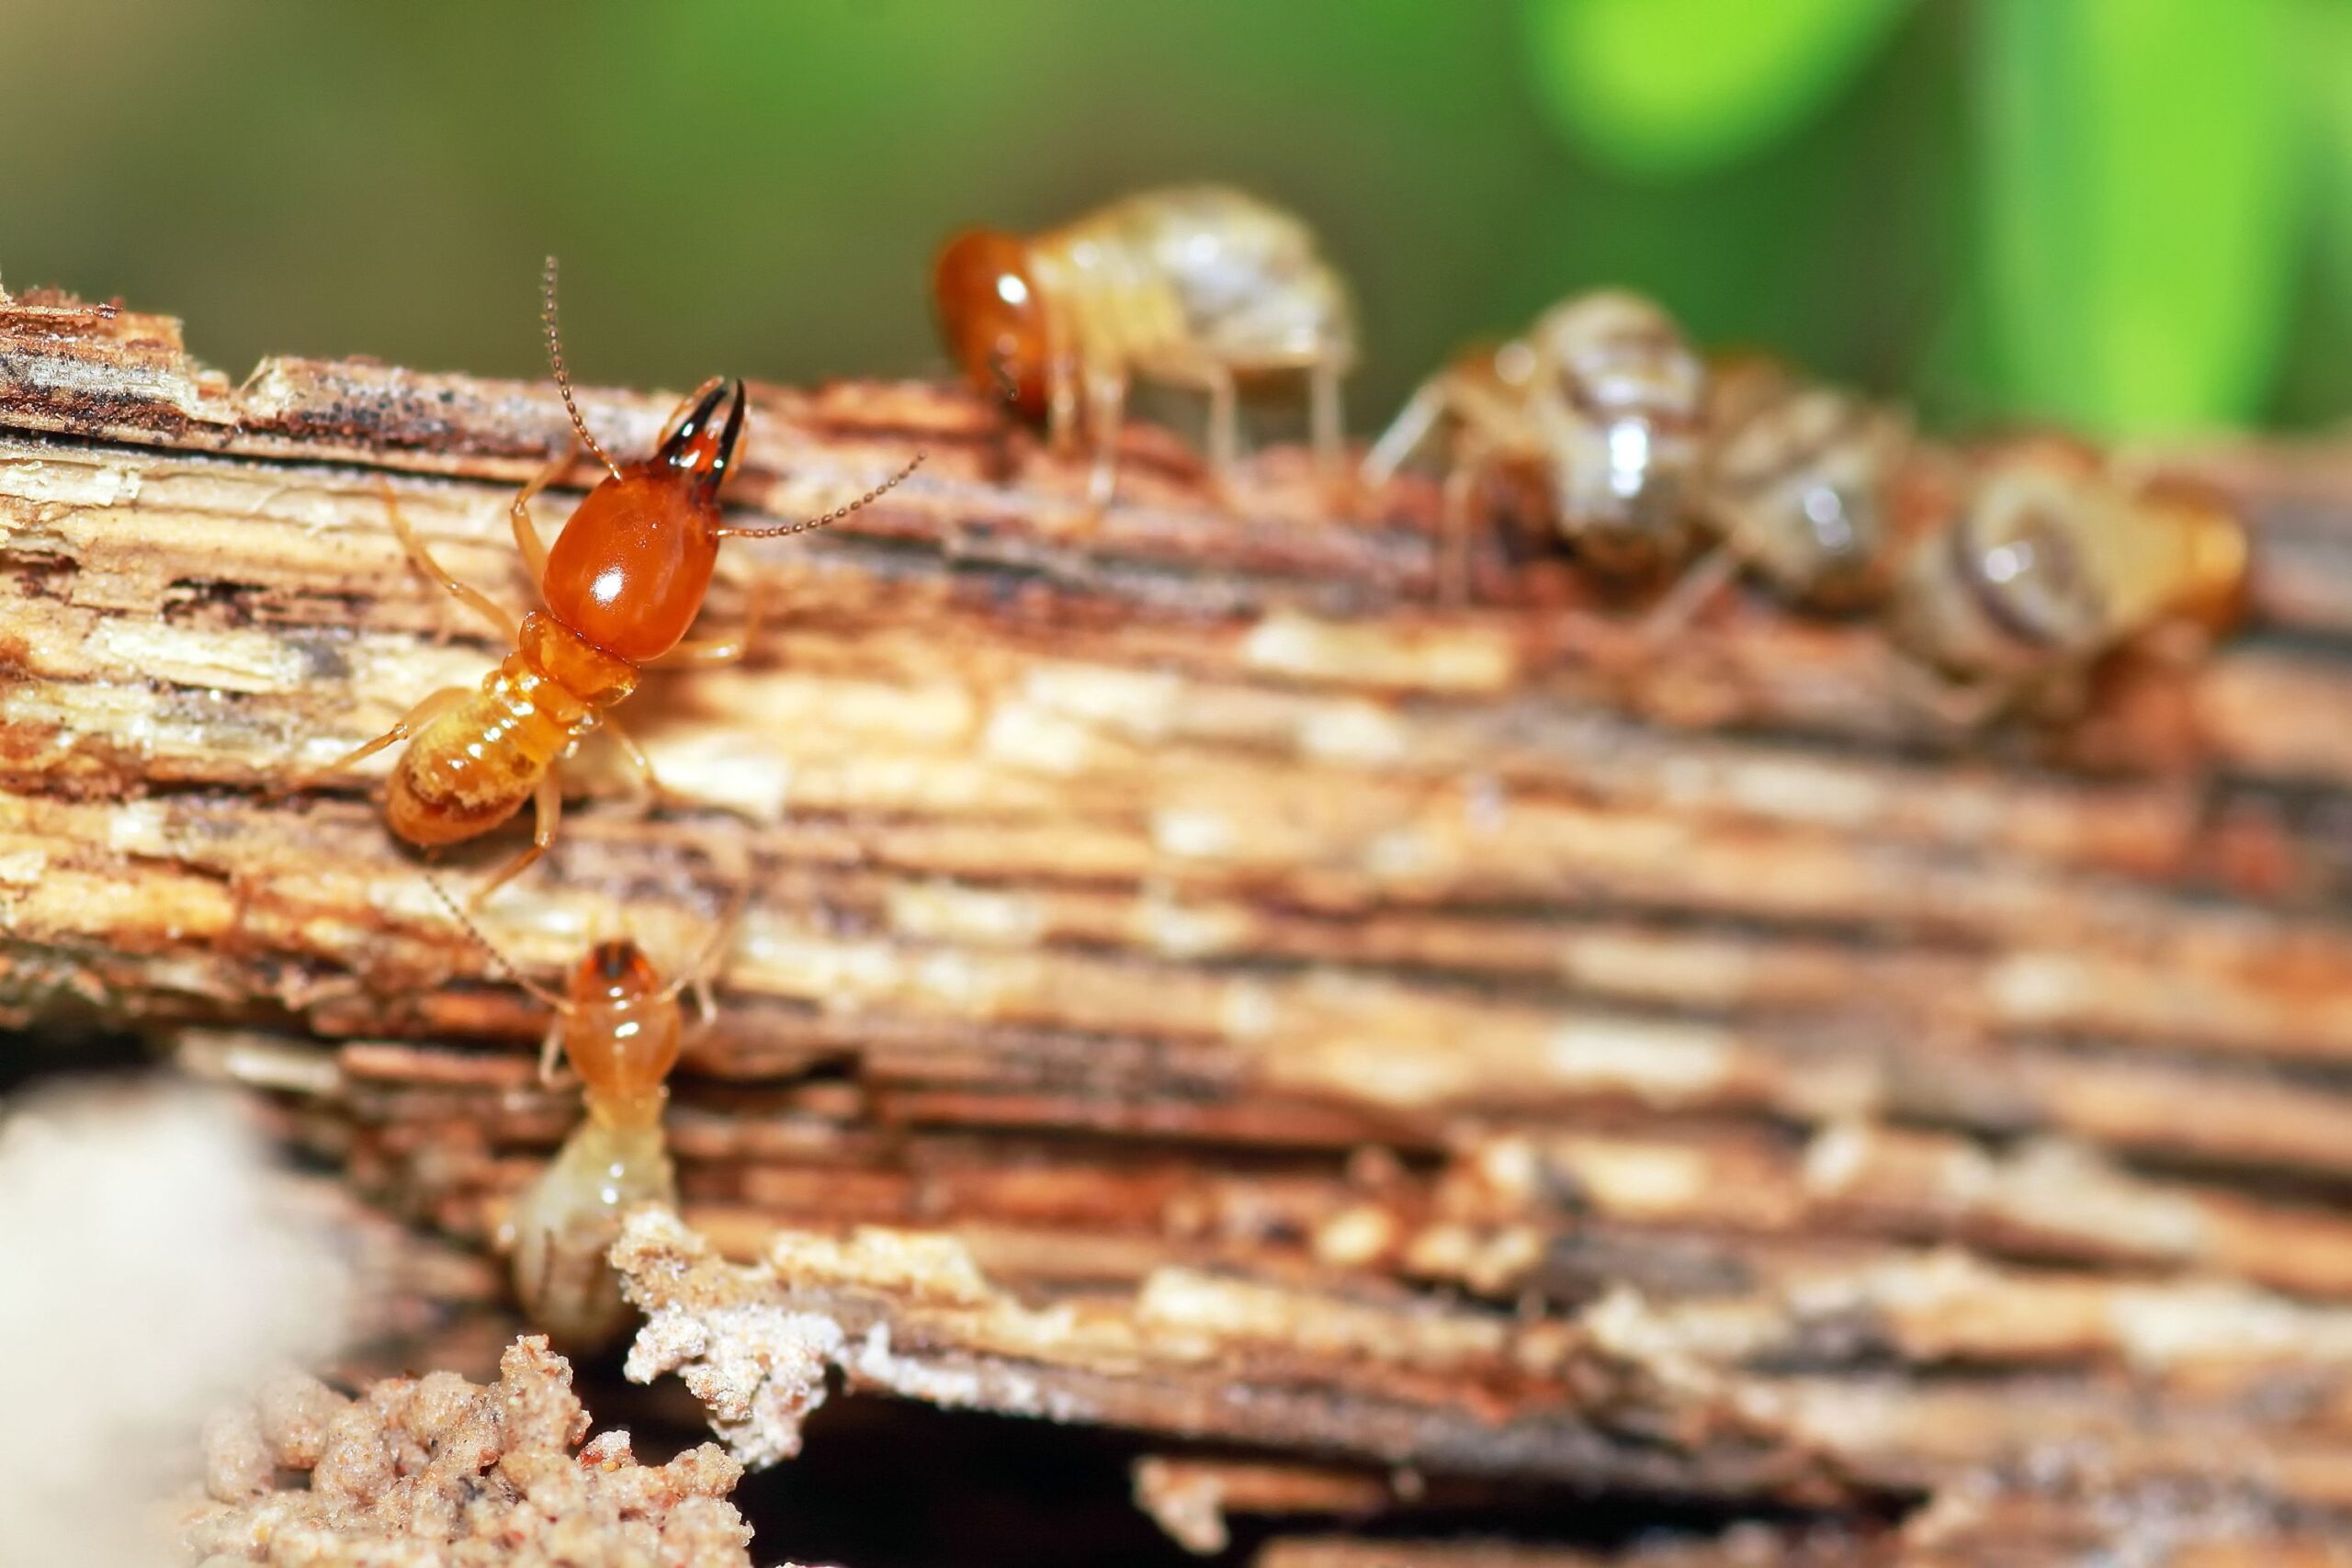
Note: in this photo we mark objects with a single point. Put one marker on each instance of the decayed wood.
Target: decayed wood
(2004, 1533)
(1614, 1395)
(1190, 1355)
(1182, 894)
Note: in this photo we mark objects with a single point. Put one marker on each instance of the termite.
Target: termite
(623, 584)
(1601, 401)
(621, 1027)
(1801, 483)
(2049, 562)
(1199, 286)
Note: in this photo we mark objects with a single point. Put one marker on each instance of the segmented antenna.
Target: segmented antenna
(465, 921)
(563, 376)
(714, 945)
(782, 530)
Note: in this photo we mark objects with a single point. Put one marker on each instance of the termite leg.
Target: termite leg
(408, 723)
(549, 800)
(1225, 422)
(527, 533)
(1692, 593)
(1106, 405)
(1964, 706)
(1453, 546)
(466, 593)
(1223, 427)
(1061, 404)
(1325, 420)
(1972, 708)
(704, 652)
(1406, 431)
(551, 1052)
(712, 956)
(642, 765)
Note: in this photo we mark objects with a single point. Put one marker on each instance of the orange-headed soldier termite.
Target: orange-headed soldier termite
(621, 1026)
(624, 582)
(1196, 286)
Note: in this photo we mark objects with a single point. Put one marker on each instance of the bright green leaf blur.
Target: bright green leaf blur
(2140, 184)
(2323, 49)
(1662, 87)
(756, 185)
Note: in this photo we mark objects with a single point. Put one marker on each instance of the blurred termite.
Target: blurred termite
(1197, 285)
(621, 1027)
(1602, 403)
(1801, 484)
(2049, 562)
(624, 580)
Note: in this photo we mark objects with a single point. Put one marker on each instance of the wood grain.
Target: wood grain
(1182, 888)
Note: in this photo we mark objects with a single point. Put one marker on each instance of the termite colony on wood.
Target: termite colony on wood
(2003, 572)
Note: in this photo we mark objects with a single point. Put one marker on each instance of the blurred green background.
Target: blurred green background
(2126, 214)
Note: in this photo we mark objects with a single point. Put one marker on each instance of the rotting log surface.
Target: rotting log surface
(1897, 1112)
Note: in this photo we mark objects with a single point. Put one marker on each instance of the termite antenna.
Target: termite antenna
(466, 923)
(782, 530)
(563, 376)
(705, 963)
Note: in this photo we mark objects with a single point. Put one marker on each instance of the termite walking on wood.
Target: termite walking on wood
(1802, 484)
(623, 584)
(2051, 561)
(621, 1026)
(1601, 401)
(1199, 286)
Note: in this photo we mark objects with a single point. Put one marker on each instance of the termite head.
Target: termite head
(618, 1020)
(992, 316)
(629, 572)
(614, 974)
(632, 567)
(621, 1027)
